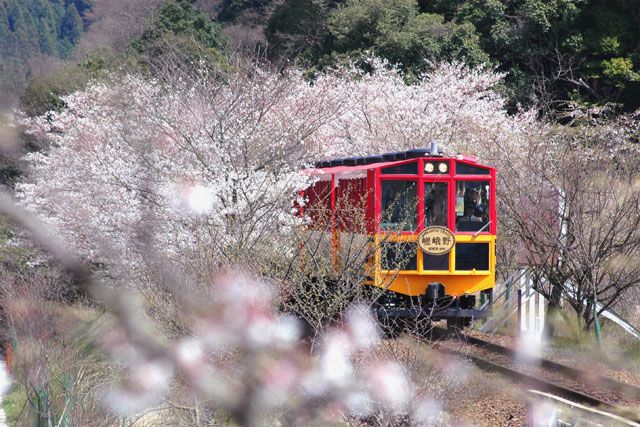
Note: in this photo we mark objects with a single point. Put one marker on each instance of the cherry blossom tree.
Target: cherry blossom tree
(454, 105)
(573, 203)
(215, 162)
(204, 170)
(188, 178)
(211, 165)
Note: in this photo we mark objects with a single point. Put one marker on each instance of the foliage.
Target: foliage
(178, 31)
(14, 404)
(179, 18)
(231, 11)
(40, 26)
(31, 29)
(584, 51)
(296, 26)
(398, 32)
(550, 50)
(619, 71)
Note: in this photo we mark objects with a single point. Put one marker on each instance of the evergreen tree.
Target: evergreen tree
(71, 27)
(398, 31)
(180, 18)
(296, 26)
(31, 28)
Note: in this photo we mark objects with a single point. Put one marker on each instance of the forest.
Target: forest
(555, 54)
(157, 266)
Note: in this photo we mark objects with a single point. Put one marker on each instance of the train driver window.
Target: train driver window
(435, 203)
(399, 203)
(472, 205)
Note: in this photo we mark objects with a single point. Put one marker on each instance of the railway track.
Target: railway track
(544, 375)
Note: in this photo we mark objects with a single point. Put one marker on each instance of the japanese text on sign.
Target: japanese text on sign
(436, 240)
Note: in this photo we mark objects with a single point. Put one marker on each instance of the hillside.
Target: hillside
(32, 30)
(555, 55)
(582, 51)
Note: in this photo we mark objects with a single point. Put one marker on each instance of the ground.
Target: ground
(486, 400)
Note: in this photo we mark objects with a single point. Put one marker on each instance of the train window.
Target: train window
(407, 168)
(435, 262)
(470, 256)
(465, 169)
(399, 203)
(435, 203)
(472, 205)
(399, 256)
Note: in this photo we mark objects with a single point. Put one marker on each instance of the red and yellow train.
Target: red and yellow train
(429, 224)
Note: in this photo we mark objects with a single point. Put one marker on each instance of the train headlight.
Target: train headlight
(428, 167)
(443, 167)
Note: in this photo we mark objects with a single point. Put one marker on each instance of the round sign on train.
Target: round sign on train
(436, 240)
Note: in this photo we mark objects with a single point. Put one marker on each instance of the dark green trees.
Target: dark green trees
(296, 27)
(50, 27)
(71, 27)
(554, 52)
(31, 30)
(583, 50)
(399, 32)
(179, 18)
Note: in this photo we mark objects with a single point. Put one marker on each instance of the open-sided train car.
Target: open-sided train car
(429, 222)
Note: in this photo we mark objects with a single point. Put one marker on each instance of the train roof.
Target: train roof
(362, 164)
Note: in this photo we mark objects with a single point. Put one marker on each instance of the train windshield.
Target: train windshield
(435, 203)
(472, 205)
(399, 205)
(465, 169)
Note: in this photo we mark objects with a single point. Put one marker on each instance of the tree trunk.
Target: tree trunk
(552, 315)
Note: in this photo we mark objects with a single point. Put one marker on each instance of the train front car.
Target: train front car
(431, 225)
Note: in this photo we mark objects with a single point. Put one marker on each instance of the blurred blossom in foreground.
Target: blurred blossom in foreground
(335, 362)
(428, 413)
(199, 199)
(389, 383)
(528, 348)
(146, 387)
(457, 371)
(542, 414)
(361, 326)
(5, 381)
(246, 358)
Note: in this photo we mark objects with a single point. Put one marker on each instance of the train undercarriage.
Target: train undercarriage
(395, 310)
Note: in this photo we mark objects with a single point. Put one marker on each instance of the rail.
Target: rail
(580, 387)
(619, 386)
(549, 410)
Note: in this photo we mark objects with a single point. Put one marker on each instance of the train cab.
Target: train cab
(430, 223)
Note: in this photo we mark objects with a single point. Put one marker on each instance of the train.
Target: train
(428, 223)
